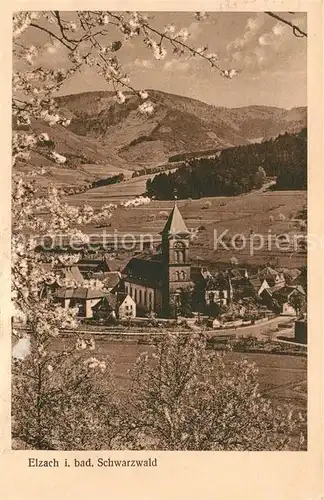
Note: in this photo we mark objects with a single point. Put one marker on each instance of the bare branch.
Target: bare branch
(296, 30)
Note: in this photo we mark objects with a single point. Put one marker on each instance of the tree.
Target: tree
(185, 397)
(260, 177)
(213, 310)
(297, 301)
(63, 400)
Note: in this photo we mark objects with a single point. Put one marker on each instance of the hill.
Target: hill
(106, 138)
(179, 124)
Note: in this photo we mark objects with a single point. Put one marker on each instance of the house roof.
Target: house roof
(238, 273)
(255, 283)
(289, 274)
(266, 291)
(268, 272)
(114, 301)
(280, 287)
(286, 290)
(73, 273)
(110, 279)
(175, 224)
(219, 280)
(78, 293)
(93, 265)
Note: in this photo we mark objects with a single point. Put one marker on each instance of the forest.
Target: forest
(238, 170)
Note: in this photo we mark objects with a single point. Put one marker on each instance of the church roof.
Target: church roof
(175, 224)
(147, 269)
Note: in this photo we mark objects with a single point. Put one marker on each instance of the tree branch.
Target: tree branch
(296, 30)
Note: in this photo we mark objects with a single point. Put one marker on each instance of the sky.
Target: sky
(272, 62)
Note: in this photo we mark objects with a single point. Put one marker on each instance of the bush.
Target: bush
(207, 205)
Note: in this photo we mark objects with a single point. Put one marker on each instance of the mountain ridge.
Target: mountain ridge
(105, 132)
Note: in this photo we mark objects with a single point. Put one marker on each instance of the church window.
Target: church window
(180, 257)
(183, 275)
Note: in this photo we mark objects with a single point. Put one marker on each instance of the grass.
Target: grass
(237, 214)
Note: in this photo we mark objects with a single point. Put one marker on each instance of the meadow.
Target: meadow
(268, 212)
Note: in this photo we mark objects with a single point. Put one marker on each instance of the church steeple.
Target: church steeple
(175, 239)
(175, 226)
(175, 251)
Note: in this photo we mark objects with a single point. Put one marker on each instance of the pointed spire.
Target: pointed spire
(175, 225)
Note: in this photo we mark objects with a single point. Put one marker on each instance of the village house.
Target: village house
(93, 265)
(219, 289)
(110, 279)
(271, 276)
(115, 306)
(280, 298)
(285, 297)
(83, 298)
(239, 275)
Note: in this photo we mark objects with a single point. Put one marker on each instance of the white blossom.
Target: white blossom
(183, 34)
(143, 94)
(31, 54)
(229, 73)
(72, 26)
(22, 348)
(170, 28)
(147, 108)
(120, 97)
(80, 345)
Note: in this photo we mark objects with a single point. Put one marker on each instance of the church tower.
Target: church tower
(175, 251)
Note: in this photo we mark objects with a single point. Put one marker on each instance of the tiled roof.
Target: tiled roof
(114, 301)
(268, 272)
(110, 279)
(78, 293)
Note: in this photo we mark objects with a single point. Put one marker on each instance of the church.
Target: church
(157, 281)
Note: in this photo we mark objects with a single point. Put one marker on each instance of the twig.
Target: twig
(296, 30)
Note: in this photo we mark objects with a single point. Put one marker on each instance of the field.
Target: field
(263, 212)
(282, 378)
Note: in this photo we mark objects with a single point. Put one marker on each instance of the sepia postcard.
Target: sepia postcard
(162, 250)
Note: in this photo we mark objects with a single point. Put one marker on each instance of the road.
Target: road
(259, 331)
